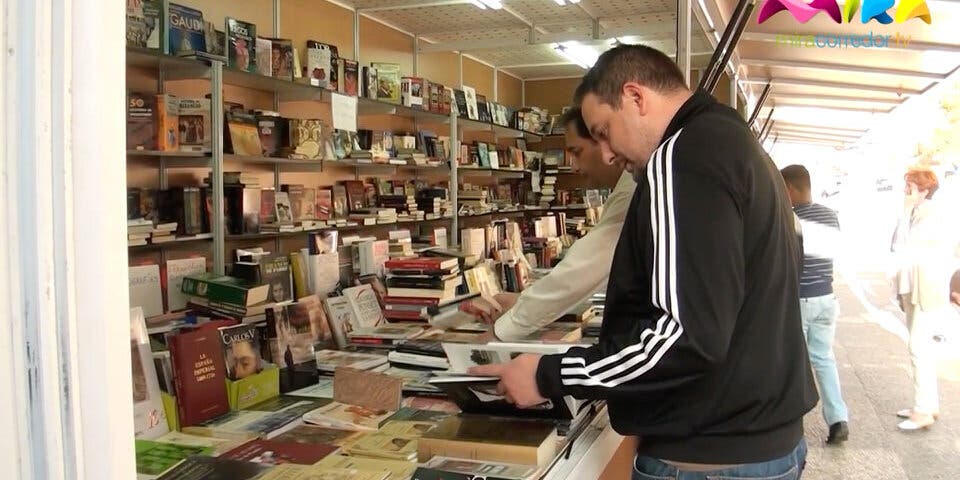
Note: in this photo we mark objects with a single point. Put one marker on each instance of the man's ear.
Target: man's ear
(634, 94)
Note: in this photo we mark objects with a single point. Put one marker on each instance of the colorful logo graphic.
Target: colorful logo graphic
(871, 10)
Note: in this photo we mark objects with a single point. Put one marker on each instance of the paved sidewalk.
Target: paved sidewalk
(875, 378)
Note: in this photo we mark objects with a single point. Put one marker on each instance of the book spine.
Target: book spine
(298, 264)
(403, 315)
(227, 294)
(414, 264)
(174, 347)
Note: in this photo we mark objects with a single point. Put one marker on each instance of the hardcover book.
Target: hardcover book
(309, 310)
(309, 205)
(276, 273)
(460, 102)
(264, 56)
(384, 445)
(195, 124)
(356, 195)
(141, 122)
(273, 452)
(168, 124)
(272, 132)
(324, 207)
(241, 350)
(366, 306)
(349, 77)
(295, 194)
(177, 270)
(370, 84)
(470, 96)
(145, 289)
(312, 434)
(306, 138)
(242, 136)
(295, 340)
(411, 92)
(241, 45)
(199, 374)
(214, 468)
(268, 206)
(496, 439)
(144, 20)
(284, 212)
(186, 30)
(388, 81)
(216, 40)
(149, 416)
(341, 415)
(155, 458)
(281, 58)
(398, 469)
(340, 315)
(319, 59)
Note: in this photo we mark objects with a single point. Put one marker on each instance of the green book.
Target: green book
(154, 458)
(236, 291)
(198, 285)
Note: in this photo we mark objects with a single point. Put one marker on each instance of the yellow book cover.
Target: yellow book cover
(397, 469)
(384, 445)
(168, 122)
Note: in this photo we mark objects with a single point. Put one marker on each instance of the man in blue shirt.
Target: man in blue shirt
(818, 305)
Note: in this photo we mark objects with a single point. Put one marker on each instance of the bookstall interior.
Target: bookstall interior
(312, 193)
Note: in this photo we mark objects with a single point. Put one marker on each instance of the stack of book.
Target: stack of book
(473, 201)
(401, 245)
(420, 354)
(225, 295)
(388, 336)
(551, 163)
(164, 232)
(428, 280)
(405, 206)
(138, 231)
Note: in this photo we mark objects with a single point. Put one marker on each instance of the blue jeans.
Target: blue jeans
(788, 467)
(819, 316)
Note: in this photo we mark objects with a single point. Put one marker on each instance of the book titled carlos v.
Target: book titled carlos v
(199, 374)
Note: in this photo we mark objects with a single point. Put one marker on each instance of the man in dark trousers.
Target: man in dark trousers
(818, 304)
(701, 353)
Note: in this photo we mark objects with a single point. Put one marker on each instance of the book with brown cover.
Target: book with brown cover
(271, 452)
(496, 439)
(356, 195)
(199, 375)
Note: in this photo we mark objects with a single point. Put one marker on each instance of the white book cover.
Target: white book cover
(176, 270)
(149, 417)
(366, 307)
(462, 356)
(324, 272)
(145, 289)
(265, 56)
(471, 96)
(340, 315)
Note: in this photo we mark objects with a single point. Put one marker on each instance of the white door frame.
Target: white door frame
(66, 409)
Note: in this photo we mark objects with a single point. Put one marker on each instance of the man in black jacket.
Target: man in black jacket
(701, 352)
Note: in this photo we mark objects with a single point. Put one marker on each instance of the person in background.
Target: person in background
(701, 354)
(585, 267)
(924, 245)
(818, 304)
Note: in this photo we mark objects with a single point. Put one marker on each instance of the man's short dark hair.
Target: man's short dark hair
(797, 176)
(575, 116)
(629, 63)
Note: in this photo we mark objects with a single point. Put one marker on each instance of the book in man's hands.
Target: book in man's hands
(479, 395)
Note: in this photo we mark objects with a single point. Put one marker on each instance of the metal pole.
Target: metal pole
(276, 18)
(733, 91)
(454, 181)
(766, 122)
(767, 133)
(496, 85)
(759, 105)
(416, 55)
(683, 38)
(216, 164)
(523, 93)
(356, 35)
(460, 68)
(728, 42)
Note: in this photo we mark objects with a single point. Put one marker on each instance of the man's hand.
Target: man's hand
(518, 379)
(955, 298)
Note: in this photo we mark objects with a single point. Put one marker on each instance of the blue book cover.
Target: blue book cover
(186, 30)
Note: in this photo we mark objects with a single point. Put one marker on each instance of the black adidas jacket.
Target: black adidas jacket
(701, 351)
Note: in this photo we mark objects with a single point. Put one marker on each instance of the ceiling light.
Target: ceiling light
(577, 53)
(562, 3)
(484, 4)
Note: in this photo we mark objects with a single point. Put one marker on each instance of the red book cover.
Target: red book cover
(199, 375)
(421, 263)
(426, 302)
(267, 452)
(356, 195)
(324, 204)
(401, 315)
